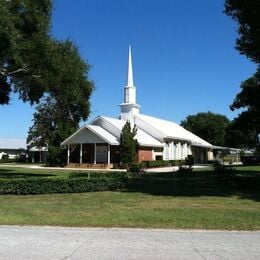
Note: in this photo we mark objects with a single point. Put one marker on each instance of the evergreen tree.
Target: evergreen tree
(128, 143)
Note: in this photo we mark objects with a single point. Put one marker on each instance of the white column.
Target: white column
(189, 150)
(179, 151)
(40, 156)
(80, 154)
(68, 155)
(171, 151)
(95, 156)
(185, 150)
(108, 153)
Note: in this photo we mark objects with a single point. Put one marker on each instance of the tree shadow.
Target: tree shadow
(244, 185)
(12, 174)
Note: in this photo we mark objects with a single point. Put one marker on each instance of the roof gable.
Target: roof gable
(91, 134)
(115, 126)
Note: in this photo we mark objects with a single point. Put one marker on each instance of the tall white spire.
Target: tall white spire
(130, 81)
(129, 108)
(130, 91)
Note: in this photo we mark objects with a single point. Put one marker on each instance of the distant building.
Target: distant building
(98, 142)
(12, 148)
(16, 148)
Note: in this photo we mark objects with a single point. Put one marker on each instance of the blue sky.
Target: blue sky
(184, 60)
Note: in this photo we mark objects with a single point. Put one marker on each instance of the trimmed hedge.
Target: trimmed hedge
(136, 167)
(92, 174)
(152, 164)
(7, 160)
(56, 185)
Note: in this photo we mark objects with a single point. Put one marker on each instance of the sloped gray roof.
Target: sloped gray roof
(172, 130)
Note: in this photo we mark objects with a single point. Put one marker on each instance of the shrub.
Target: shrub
(222, 170)
(136, 167)
(7, 160)
(185, 170)
(56, 156)
(92, 174)
(189, 160)
(55, 185)
(152, 164)
(173, 162)
(162, 163)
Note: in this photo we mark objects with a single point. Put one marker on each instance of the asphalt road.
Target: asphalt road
(117, 243)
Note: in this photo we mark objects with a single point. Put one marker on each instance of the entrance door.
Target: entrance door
(101, 153)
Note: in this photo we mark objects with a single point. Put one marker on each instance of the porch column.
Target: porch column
(40, 156)
(68, 155)
(108, 153)
(80, 154)
(178, 151)
(95, 156)
(185, 150)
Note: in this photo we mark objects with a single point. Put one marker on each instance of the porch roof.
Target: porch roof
(97, 131)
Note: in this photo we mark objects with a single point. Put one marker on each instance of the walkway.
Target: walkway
(117, 243)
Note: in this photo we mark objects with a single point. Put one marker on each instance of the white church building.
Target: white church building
(97, 143)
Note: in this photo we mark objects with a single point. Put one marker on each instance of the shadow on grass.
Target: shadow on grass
(245, 185)
(11, 174)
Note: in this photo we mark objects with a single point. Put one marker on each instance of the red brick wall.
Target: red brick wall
(144, 154)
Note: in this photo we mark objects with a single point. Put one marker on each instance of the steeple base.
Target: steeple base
(128, 111)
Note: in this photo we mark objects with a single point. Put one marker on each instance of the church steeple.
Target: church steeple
(129, 107)
(130, 90)
(130, 80)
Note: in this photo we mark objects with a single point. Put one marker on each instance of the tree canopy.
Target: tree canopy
(128, 143)
(246, 13)
(42, 70)
(24, 48)
(239, 135)
(209, 126)
(249, 100)
(60, 111)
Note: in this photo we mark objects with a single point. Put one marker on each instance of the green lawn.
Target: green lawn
(199, 200)
(22, 172)
(126, 209)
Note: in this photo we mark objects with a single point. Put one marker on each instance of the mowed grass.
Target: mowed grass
(22, 172)
(125, 209)
(198, 201)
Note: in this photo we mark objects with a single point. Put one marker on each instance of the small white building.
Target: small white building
(98, 142)
(12, 148)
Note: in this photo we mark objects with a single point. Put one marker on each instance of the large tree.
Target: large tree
(59, 112)
(249, 100)
(24, 49)
(246, 13)
(128, 143)
(239, 135)
(42, 70)
(209, 126)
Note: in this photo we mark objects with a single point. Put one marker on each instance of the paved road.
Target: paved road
(116, 243)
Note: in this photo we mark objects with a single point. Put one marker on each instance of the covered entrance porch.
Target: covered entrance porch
(92, 155)
(92, 147)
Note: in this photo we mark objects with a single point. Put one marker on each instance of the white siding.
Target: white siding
(85, 136)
